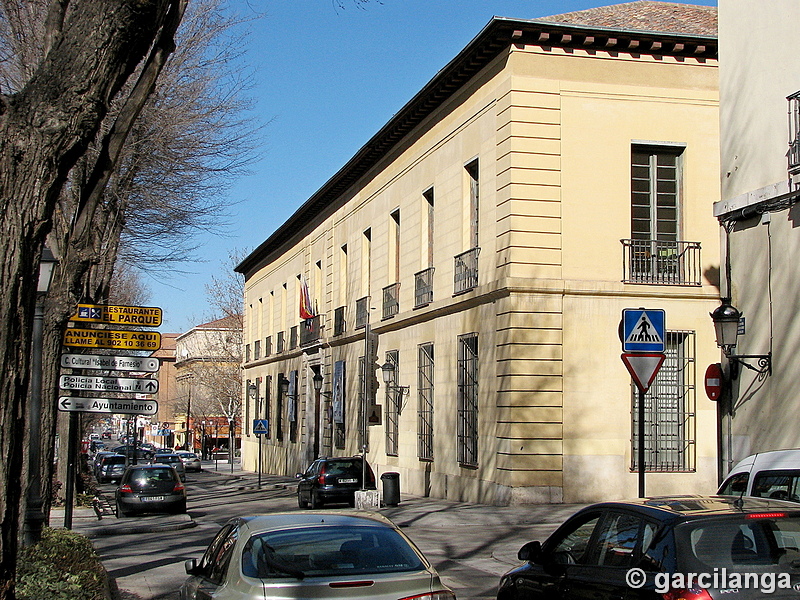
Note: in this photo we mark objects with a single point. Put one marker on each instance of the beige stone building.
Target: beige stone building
(552, 174)
(758, 216)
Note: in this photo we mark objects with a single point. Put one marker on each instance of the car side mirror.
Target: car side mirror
(298, 475)
(191, 567)
(531, 552)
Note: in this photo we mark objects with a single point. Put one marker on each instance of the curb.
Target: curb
(118, 529)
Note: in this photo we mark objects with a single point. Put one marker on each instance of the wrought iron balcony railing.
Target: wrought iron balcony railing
(339, 323)
(309, 331)
(362, 312)
(423, 287)
(466, 270)
(661, 262)
(391, 300)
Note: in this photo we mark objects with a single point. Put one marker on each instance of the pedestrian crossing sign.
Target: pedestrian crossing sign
(643, 330)
(260, 426)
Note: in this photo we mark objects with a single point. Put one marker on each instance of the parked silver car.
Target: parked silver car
(322, 555)
(190, 460)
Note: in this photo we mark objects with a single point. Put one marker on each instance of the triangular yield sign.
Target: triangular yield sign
(643, 367)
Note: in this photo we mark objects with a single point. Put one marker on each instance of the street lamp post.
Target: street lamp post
(34, 517)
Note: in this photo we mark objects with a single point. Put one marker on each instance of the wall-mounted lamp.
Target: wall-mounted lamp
(252, 390)
(285, 389)
(388, 369)
(726, 325)
(317, 381)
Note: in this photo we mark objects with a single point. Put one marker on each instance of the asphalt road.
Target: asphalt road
(470, 545)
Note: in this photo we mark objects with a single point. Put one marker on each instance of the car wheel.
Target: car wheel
(181, 510)
(122, 513)
(316, 501)
(300, 502)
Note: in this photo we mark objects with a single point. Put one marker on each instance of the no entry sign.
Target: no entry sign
(713, 381)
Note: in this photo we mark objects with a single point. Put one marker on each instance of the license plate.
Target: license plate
(348, 480)
(152, 498)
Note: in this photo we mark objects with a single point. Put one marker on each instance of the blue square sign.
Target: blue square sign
(643, 330)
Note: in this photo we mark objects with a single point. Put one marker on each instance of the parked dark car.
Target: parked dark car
(142, 454)
(98, 461)
(150, 488)
(332, 480)
(651, 548)
(173, 460)
(111, 468)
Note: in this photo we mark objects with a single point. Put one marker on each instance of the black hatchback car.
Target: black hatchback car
(677, 548)
(332, 480)
(150, 488)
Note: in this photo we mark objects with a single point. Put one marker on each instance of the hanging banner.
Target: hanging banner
(338, 391)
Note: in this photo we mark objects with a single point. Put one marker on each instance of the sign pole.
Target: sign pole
(259, 461)
(72, 459)
(641, 442)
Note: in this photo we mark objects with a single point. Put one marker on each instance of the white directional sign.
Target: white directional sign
(146, 364)
(108, 405)
(108, 384)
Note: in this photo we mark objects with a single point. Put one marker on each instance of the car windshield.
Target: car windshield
(168, 459)
(749, 540)
(328, 551)
(142, 477)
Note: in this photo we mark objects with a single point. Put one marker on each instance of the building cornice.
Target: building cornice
(497, 37)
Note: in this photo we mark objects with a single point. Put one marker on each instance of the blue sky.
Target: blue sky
(327, 79)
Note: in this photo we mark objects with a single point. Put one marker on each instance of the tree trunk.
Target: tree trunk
(44, 129)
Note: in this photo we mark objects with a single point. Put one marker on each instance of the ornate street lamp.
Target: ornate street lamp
(726, 319)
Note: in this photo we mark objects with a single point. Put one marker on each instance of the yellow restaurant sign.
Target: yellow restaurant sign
(112, 338)
(147, 316)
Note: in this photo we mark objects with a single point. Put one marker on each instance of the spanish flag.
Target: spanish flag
(306, 309)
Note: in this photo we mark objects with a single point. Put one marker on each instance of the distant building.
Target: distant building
(552, 174)
(160, 431)
(208, 374)
(759, 218)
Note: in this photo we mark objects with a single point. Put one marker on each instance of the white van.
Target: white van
(774, 474)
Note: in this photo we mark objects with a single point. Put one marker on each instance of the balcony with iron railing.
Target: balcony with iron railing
(280, 342)
(309, 331)
(362, 312)
(391, 300)
(423, 287)
(466, 271)
(339, 323)
(661, 262)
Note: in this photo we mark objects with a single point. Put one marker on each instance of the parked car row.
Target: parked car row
(109, 466)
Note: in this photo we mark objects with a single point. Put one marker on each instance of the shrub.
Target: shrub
(63, 566)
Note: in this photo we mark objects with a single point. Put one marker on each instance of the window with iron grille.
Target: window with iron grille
(425, 399)
(293, 337)
(669, 406)
(423, 287)
(794, 133)
(393, 399)
(247, 353)
(268, 346)
(468, 400)
(256, 349)
(363, 436)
